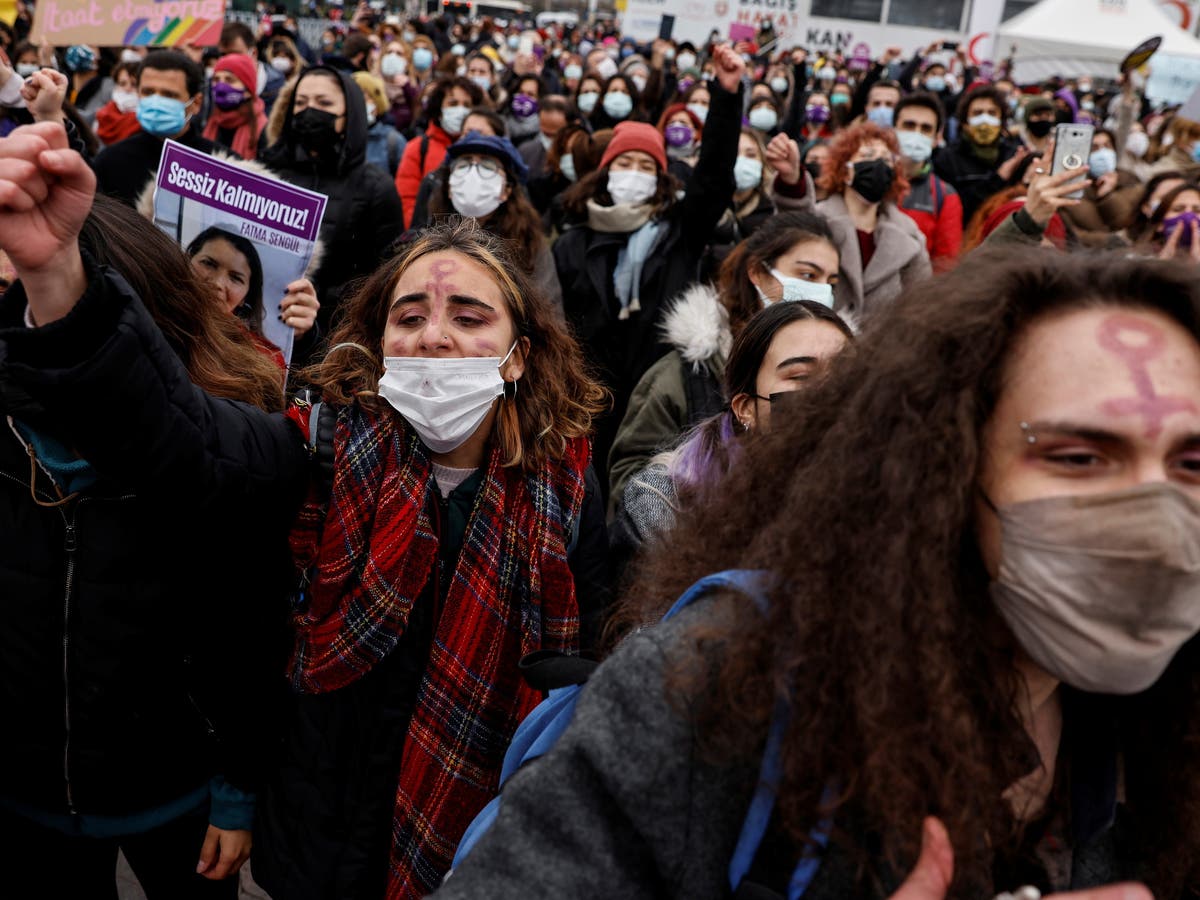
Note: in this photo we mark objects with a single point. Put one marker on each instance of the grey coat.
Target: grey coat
(622, 806)
(626, 806)
(899, 262)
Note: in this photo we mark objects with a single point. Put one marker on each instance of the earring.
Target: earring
(1029, 438)
(512, 384)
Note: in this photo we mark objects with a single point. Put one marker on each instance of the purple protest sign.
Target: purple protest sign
(232, 189)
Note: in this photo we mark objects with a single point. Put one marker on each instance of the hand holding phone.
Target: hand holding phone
(1072, 146)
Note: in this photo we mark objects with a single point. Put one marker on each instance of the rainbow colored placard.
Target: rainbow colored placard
(116, 23)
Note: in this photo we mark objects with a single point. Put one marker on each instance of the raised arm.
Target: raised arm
(96, 369)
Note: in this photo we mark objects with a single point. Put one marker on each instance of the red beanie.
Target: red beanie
(636, 136)
(241, 67)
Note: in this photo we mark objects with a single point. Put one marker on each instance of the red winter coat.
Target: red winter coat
(937, 209)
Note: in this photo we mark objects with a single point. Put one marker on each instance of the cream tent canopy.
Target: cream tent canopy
(1086, 37)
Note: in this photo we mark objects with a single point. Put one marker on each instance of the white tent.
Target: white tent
(1087, 37)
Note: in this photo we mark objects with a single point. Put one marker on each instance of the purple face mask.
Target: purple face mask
(818, 115)
(524, 106)
(842, 79)
(685, 83)
(1182, 220)
(226, 96)
(678, 134)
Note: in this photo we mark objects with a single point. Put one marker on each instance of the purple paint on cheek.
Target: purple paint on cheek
(1113, 335)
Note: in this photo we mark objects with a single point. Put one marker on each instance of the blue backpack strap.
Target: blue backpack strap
(542, 728)
(751, 582)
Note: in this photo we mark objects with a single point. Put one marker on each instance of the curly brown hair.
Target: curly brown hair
(836, 176)
(558, 398)
(880, 626)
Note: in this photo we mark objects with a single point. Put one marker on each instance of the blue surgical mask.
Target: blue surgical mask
(422, 59)
(799, 289)
(883, 116)
(617, 105)
(566, 165)
(587, 101)
(1102, 161)
(513, 42)
(453, 118)
(482, 82)
(162, 116)
(915, 146)
(935, 83)
(573, 73)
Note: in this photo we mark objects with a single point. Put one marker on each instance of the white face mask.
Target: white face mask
(639, 81)
(126, 101)
(606, 68)
(799, 289)
(473, 195)
(747, 173)
(393, 64)
(631, 187)
(281, 64)
(1137, 144)
(444, 400)
(685, 61)
(699, 111)
(370, 114)
(27, 69)
(453, 118)
(130, 57)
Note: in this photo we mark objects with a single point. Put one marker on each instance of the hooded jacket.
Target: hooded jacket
(679, 391)
(363, 217)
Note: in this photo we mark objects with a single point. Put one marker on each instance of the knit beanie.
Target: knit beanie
(636, 136)
(241, 67)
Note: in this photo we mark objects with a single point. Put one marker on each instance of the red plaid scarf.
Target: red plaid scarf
(511, 593)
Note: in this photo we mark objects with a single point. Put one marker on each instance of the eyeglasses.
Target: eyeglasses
(486, 167)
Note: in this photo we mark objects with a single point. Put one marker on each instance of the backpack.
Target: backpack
(542, 728)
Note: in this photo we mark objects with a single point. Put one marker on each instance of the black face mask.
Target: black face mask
(316, 131)
(814, 169)
(872, 179)
(1063, 116)
(1040, 128)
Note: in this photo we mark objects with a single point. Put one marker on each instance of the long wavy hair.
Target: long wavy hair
(218, 352)
(557, 397)
(880, 625)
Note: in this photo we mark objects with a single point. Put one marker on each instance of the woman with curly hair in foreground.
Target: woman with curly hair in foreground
(982, 533)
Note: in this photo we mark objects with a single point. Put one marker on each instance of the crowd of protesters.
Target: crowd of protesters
(824, 349)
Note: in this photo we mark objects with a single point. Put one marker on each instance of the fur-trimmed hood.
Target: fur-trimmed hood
(145, 203)
(697, 325)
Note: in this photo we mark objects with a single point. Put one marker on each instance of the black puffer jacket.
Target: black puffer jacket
(622, 350)
(141, 651)
(363, 217)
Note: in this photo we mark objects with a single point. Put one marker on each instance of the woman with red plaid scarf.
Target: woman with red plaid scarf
(459, 527)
